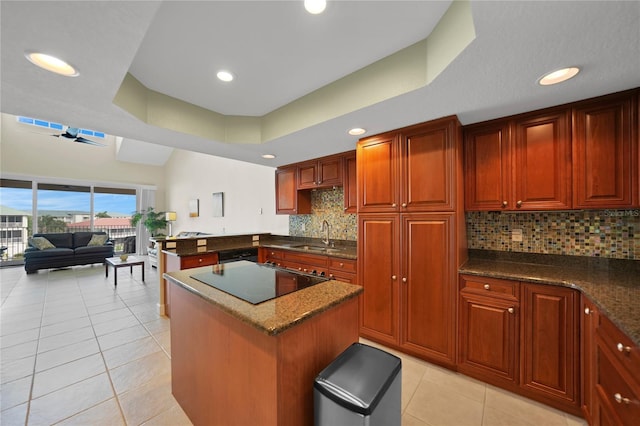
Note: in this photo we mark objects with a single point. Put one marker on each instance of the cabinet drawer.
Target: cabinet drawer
(344, 265)
(188, 262)
(344, 277)
(490, 286)
(274, 254)
(306, 259)
(625, 351)
(618, 392)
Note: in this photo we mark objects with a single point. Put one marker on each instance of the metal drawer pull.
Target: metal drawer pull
(504, 204)
(404, 204)
(487, 287)
(510, 310)
(393, 277)
(587, 311)
(619, 399)
(623, 348)
(393, 205)
(404, 280)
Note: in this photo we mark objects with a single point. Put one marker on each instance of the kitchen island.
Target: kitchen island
(238, 363)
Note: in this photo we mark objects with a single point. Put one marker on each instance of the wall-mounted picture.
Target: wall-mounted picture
(194, 208)
(218, 204)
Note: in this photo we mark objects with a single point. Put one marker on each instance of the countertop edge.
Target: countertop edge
(278, 328)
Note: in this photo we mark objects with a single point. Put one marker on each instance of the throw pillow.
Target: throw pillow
(41, 243)
(97, 240)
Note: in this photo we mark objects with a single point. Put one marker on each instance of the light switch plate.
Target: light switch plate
(516, 235)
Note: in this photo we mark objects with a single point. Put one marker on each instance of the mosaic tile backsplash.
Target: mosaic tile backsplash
(326, 204)
(597, 233)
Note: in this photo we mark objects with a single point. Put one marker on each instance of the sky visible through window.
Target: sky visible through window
(21, 199)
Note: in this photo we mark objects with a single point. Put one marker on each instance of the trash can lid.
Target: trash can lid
(359, 377)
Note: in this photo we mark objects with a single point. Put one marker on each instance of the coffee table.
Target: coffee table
(116, 263)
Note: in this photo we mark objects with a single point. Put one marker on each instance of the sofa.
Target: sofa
(58, 250)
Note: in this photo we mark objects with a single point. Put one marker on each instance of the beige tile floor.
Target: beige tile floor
(74, 350)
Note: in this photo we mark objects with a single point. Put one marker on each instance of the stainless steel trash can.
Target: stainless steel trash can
(361, 387)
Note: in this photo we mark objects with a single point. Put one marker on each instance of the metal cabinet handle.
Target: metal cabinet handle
(487, 286)
(511, 310)
(404, 204)
(404, 280)
(623, 348)
(393, 205)
(505, 204)
(200, 260)
(587, 311)
(341, 264)
(620, 399)
(393, 277)
(519, 203)
(345, 209)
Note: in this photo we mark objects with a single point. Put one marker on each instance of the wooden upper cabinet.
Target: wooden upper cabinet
(288, 199)
(521, 163)
(542, 161)
(427, 168)
(605, 152)
(409, 170)
(321, 173)
(487, 166)
(378, 173)
(350, 183)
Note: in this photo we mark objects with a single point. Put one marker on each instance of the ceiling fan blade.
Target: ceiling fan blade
(88, 141)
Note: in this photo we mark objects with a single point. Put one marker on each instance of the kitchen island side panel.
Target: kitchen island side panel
(226, 372)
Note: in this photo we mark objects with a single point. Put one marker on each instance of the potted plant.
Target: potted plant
(151, 220)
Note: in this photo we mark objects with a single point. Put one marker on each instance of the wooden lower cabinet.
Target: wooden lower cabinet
(378, 254)
(588, 325)
(488, 330)
(409, 304)
(617, 377)
(550, 353)
(522, 337)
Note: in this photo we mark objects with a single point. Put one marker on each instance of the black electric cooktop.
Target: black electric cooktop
(254, 282)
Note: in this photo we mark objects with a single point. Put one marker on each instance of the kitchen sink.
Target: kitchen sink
(319, 249)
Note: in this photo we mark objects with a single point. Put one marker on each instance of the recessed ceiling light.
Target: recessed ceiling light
(225, 75)
(558, 76)
(357, 131)
(315, 7)
(268, 156)
(51, 63)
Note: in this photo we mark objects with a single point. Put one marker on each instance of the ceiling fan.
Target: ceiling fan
(72, 133)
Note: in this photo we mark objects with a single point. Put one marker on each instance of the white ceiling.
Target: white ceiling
(279, 53)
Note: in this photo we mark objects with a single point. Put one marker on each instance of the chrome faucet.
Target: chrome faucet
(325, 227)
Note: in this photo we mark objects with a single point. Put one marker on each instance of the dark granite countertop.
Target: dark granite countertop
(612, 284)
(274, 316)
(340, 248)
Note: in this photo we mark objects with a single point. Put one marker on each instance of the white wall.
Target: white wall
(248, 188)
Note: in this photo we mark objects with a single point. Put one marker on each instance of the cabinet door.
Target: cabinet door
(330, 171)
(378, 174)
(604, 153)
(378, 237)
(427, 172)
(542, 168)
(588, 325)
(288, 199)
(550, 356)
(487, 167)
(488, 333)
(350, 184)
(307, 175)
(428, 282)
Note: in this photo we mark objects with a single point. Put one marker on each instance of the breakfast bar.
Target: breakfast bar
(238, 358)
